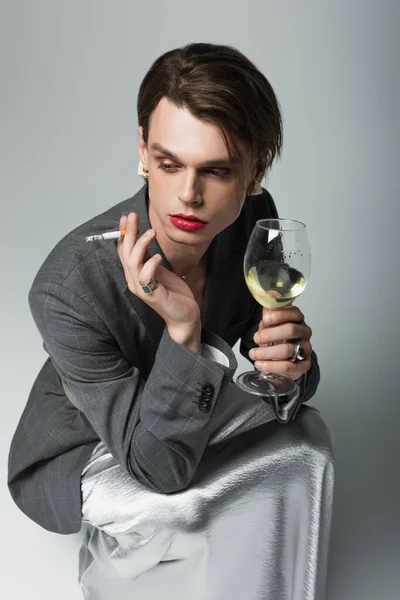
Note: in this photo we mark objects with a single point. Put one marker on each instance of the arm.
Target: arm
(156, 429)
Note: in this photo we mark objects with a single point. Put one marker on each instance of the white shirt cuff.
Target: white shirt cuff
(214, 354)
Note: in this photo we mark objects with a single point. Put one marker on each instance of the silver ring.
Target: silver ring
(147, 288)
(298, 353)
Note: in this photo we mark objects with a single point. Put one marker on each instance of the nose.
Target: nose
(190, 192)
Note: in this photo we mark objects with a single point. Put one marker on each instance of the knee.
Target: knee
(312, 441)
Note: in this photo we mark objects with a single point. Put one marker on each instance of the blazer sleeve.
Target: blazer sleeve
(157, 429)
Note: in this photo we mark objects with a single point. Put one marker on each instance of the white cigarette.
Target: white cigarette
(107, 235)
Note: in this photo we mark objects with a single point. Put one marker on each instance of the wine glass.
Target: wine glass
(277, 265)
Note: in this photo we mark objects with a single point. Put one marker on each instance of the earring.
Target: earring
(256, 189)
(141, 171)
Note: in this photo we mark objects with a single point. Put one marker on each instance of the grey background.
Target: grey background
(70, 73)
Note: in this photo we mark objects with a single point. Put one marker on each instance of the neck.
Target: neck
(187, 267)
(185, 261)
(191, 272)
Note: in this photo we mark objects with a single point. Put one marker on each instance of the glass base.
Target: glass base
(266, 384)
(272, 386)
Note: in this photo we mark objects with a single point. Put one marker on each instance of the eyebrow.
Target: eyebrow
(217, 161)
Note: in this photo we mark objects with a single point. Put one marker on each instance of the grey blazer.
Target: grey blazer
(149, 399)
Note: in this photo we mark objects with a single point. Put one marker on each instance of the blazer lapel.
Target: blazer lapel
(224, 281)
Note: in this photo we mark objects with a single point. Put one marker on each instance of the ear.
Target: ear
(257, 174)
(142, 148)
(260, 170)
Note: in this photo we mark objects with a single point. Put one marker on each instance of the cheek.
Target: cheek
(161, 190)
(228, 214)
(236, 206)
(241, 202)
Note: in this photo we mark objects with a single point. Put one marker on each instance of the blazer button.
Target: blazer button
(206, 394)
(208, 390)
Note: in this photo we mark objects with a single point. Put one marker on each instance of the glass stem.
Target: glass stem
(267, 375)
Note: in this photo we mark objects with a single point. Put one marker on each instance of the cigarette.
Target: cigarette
(107, 235)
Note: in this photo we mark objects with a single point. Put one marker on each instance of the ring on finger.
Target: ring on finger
(299, 353)
(147, 289)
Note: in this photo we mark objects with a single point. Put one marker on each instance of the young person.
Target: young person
(139, 330)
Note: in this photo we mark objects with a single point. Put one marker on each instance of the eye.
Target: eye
(171, 168)
(217, 174)
(166, 167)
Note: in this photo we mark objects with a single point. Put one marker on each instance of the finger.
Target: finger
(293, 370)
(281, 352)
(122, 224)
(149, 269)
(140, 253)
(122, 227)
(131, 234)
(286, 331)
(282, 315)
(122, 245)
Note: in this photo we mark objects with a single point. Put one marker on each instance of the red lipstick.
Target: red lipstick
(187, 222)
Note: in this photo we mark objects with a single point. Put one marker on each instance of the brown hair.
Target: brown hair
(217, 84)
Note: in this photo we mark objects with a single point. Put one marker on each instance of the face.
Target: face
(190, 173)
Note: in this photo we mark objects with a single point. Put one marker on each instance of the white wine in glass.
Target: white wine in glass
(277, 265)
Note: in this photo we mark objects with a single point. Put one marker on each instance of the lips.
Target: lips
(186, 224)
(189, 218)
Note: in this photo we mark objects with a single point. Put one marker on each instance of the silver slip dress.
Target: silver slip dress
(253, 525)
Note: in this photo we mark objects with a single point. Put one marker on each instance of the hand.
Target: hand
(172, 299)
(273, 354)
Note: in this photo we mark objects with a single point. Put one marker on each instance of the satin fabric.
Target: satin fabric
(253, 525)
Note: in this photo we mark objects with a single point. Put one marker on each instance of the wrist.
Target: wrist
(187, 335)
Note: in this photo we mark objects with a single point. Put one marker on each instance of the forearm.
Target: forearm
(174, 424)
